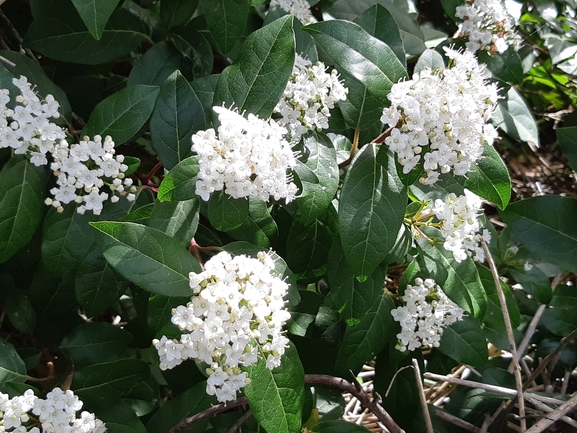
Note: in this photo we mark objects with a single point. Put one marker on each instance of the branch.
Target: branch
(422, 398)
(552, 417)
(210, 412)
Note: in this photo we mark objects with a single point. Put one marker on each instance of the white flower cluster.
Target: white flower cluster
(460, 225)
(82, 167)
(487, 25)
(300, 9)
(55, 414)
(79, 168)
(309, 95)
(441, 115)
(236, 315)
(427, 311)
(250, 156)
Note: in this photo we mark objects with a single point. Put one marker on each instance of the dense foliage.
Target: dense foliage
(244, 201)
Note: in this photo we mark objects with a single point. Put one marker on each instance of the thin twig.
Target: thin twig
(8, 62)
(456, 421)
(552, 417)
(510, 335)
(547, 409)
(353, 149)
(240, 422)
(422, 398)
(17, 35)
(210, 412)
(529, 334)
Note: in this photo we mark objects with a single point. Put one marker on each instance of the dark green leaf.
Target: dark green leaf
(174, 13)
(95, 343)
(276, 397)
(193, 44)
(21, 204)
(157, 64)
(489, 178)
(308, 249)
(20, 311)
(123, 114)
(339, 425)
(561, 319)
(178, 113)
(61, 35)
(361, 109)
(363, 341)
(318, 177)
(534, 281)
(506, 66)
(568, 140)
(97, 285)
(354, 51)
(256, 80)
(95, 14)
(226, 21)
(121, 418)
(464, 342)
(147, 257)
(546, 226)
(429, 59)
(371, 211)
(226, 213)
(180, 183)
(12, 368)
(159, 314)
(66, 240)
(178, 219)
(494, 314)
(259, 228)
(513, 116)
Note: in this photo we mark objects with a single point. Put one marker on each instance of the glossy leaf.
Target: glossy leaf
(545, 225)
(156, 65)
(20, 311)
(568, 140)
(193, 44)
(371, 210)
(12, 368)
(21, 204)
(429, 59)
(226, 213)
(506, 66)
(256, 80)
(122, 114)
(180, 182)
(147, 257)
(361, 109)
(121, 418)
(95, 14)
(259, 228)
(560, 318)
(226, 20)
(159, 314)
(513, 116)
(354, 51)
(178, 113)
(308, 249)
(178, 219)
(464, 342)
(276, 397)
(174, 13)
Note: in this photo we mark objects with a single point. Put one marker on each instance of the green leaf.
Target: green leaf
(339, 425)
(20, 311)
(95, 343)
(156, 65)
(226, 20)
(12, 368)
(363, 341)
(121, 418)
(178, 113)
(318, 177)
(97, 285)
(506, 66)
(354, 51)
(561, 319)
(147, 257)
(460, 281)
(308, 249)
(226, 213)
(464, 342)
(178, 219)
(546, 226)
(489, 178)
(174, 13)
(180, 182)
(259, 228)
(21, 204)
(193, 44)
(66, 239)
(276, 397)
(377, 21)
(513, 116)
(160, 312)
(61, 35)
(361, 109)
(352, 298)
(123, 114)
(429, 59)
(255, 82)
(494, 315)
(103, 384)
(371, 211)
(190, 402)
(95, 14)
(568, 140)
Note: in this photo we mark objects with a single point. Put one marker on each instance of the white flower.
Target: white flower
(441, 116)
(427, 311)
(237, 312)
(299, 8)
(309, 95)
(487, 25)
(250, 156)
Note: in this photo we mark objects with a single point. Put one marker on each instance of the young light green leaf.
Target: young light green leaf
(226, 20)
(95, 14)
(568, 140)
(489, 178)
(156, 65)
(123, 114)
(464, 342)
(21, 203)
(364, 57)
(276, 397)
(178, 219)
(256, 80)
(178, 113)
(180, 182)
(147, 257)
(174, 13)
(318, 177)
(546, 226)
(12, 367)
(226, 213)
(513, 116)
(371, 211)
